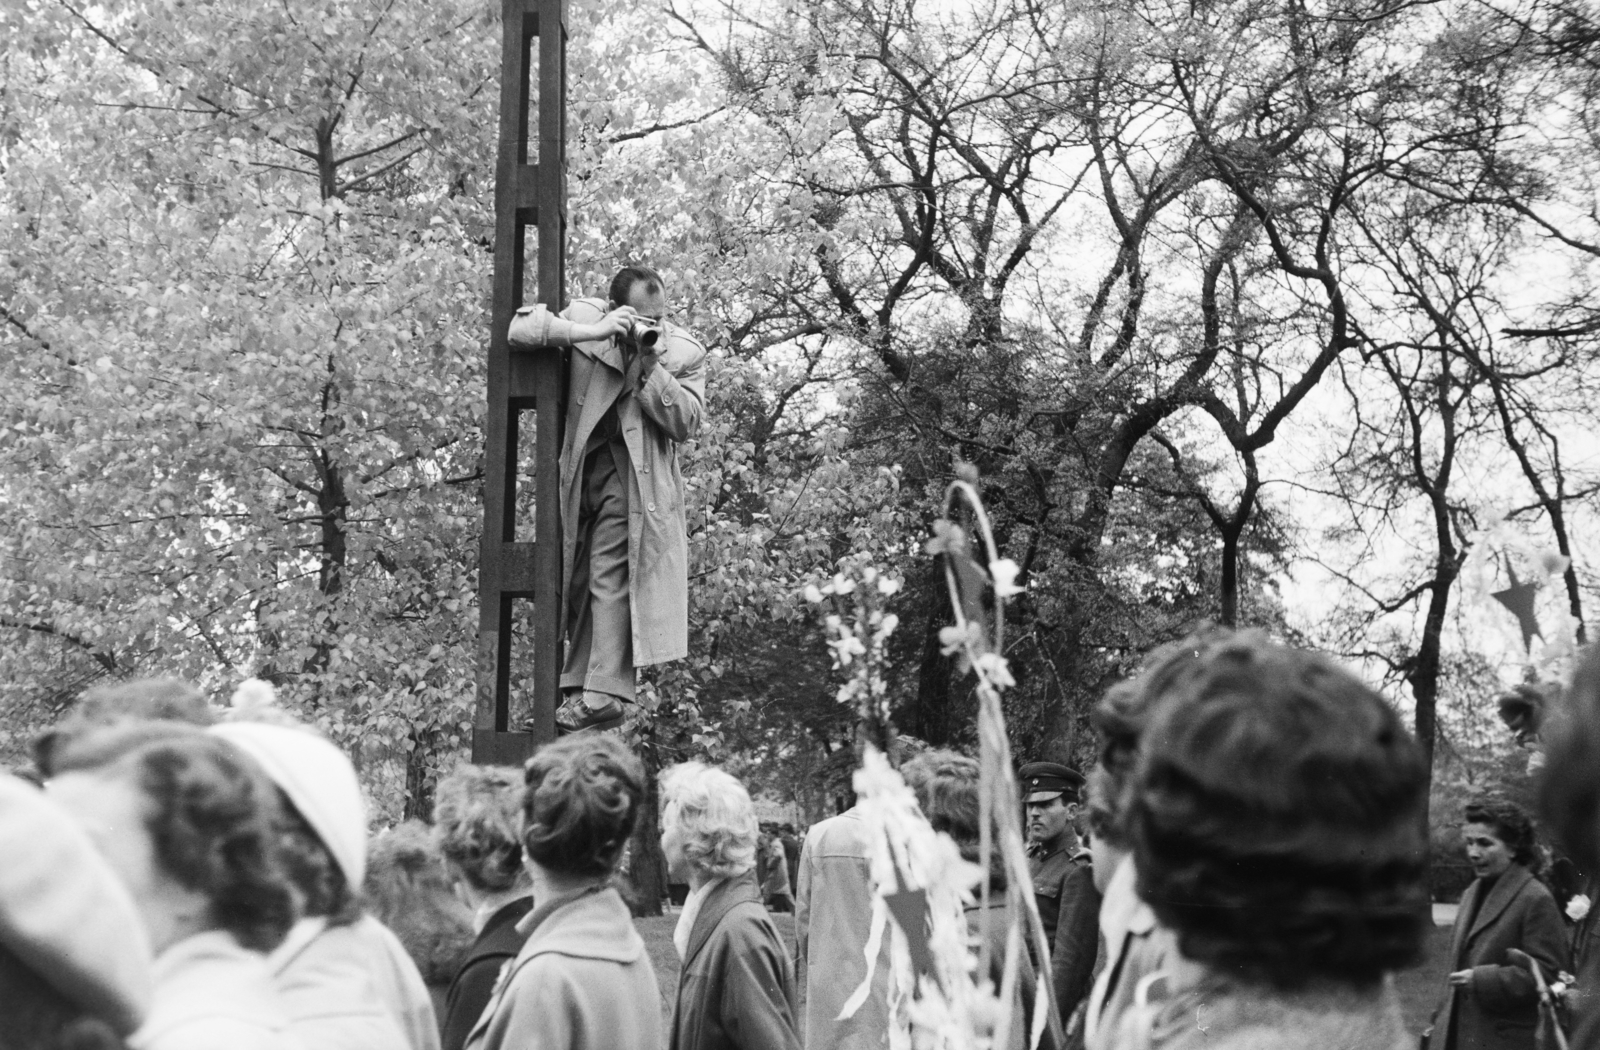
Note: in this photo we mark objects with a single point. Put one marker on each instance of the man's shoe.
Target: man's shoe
(578, 714)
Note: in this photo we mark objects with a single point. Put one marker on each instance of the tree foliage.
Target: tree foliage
(1213, 295)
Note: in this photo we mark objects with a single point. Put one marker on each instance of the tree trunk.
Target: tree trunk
(647, 865)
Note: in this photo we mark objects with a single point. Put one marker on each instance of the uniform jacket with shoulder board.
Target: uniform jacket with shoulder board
(665, 411)
(736, 991)
(1069, 905)
(1498, 1010)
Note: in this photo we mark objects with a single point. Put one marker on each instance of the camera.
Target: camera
(643, 332)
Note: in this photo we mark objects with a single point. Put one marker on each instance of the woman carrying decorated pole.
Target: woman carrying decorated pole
(1491, 999)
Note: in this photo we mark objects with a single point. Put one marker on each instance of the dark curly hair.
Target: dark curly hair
(407, 890)
(1509, 823)
(580, 802)
(312, 869)
(478, 825)
(1276, 816)
(211, 816)
(947, 786)
(1569, 789)
(1119, 721)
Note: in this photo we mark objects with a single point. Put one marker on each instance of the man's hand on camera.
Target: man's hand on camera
(613, 324)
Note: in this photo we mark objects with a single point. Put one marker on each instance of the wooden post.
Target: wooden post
(528, 192)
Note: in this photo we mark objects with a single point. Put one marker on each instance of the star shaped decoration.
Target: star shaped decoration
(910, 911)
(1519, 599)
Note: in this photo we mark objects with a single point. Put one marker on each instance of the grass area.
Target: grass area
(1419, 987)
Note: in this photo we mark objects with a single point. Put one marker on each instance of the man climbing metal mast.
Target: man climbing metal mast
(635, 391)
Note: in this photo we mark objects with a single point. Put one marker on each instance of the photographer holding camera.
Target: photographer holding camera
(635, 390)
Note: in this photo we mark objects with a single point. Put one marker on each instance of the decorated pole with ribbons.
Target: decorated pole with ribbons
(940, 992)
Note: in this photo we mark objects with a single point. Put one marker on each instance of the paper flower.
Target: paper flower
(1578, 907)
(253, 692)
(1004, 571)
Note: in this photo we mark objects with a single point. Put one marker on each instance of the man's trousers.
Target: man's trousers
(600, 620)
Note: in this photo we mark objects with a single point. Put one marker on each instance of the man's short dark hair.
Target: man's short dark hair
(622, 284)
(1276, 817)
(580, 802)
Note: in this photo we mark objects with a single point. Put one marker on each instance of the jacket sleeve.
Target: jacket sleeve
(757, 996)
(1543, 936)
(1072, 957)
(675, 401)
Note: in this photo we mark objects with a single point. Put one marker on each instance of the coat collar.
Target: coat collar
(602, 350)
(590, 924)
(722, 899)
(1500, 897)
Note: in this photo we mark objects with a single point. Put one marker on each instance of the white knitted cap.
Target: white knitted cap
(318, 779)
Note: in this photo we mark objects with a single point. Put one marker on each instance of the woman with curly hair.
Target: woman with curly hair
(344, 977)
(1276, 821)
(188, 823)
(477, 822)
(582, 979)
(1491, 1003)
(1135, 942)
(947, 788)
(408, 890)
(736, 990)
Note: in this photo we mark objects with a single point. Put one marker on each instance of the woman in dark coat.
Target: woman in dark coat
(478, 822)
(736, 990)
(1491, 1003)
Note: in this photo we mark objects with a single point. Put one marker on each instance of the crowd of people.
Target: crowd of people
(1243, 867)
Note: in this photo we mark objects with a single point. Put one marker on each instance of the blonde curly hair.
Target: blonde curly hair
(715, 816)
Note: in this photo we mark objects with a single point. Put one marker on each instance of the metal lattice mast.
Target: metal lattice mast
(530, 191)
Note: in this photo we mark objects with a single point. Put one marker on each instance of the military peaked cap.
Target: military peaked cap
(1043, 781)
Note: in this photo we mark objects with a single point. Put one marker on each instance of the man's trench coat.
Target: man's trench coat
(666, 410)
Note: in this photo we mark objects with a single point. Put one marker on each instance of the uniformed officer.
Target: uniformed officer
(1063, 881)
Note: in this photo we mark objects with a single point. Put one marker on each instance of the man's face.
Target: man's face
(1047, 820)
(646, 303)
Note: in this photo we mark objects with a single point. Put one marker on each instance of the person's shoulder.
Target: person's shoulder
(585, 310)
(845, 833)
(683, 349)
